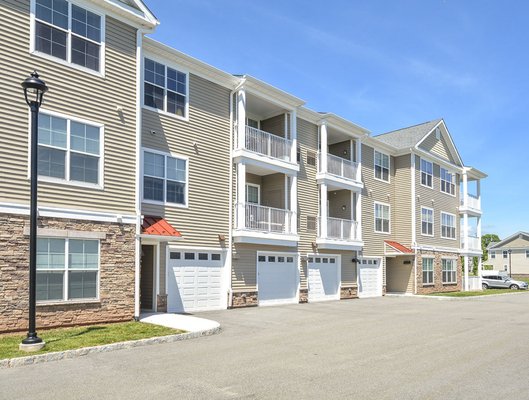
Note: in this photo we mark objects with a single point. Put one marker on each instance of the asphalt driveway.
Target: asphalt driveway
(384, 348)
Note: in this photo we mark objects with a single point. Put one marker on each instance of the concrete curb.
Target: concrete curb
(61, 355)
(485, 296)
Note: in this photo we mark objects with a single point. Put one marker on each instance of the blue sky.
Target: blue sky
(386, 65)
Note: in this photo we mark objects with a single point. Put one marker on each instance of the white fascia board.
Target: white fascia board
(344, 125)
(309, 115)
(195, 66)
(437, 159)
(330, 244)
(272, 239)
(143, 18)
(378, 145)
(257, 86)
(453, 148)
(438, 249)
(474, 173)
(159, 238)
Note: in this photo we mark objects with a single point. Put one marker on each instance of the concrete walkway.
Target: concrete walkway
(178, 321)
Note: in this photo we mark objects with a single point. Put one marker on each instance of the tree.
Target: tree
(485, 241)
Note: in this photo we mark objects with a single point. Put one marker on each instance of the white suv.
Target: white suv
(495, 280)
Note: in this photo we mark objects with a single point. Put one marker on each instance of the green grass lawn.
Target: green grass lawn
(520, 278)
(85, 336)
(477, 293)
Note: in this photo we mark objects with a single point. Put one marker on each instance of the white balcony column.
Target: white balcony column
(358, 218)
(294, 204)
(359, 160)
(324, 147)
(465, 232)
(480, 269)
(323, 210)
(293, 137)
(478, 192)
(466, 273)
(241, 195)
(465, 189)
(241, 119)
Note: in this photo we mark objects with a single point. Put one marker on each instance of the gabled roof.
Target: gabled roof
(495, 245)
(158, 226)
(397, 247)
(406, 138)
(132, 10)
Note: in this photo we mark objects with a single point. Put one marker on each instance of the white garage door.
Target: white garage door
(324, 278)
(194, 281)
(278, 279)
(369, 277)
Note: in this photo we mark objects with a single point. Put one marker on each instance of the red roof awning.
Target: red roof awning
(158, 226)
(398, 247)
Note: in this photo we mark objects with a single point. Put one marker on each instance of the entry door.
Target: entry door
(324, 278)
(147, 277)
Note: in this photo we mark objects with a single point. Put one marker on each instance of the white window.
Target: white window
(448, 180)
(505, 254)
(164, 178)
(165, 88)
(67, 269)
(426, 173)
(69, 150)
(382, 219)
(526, 253)
(427, 271)
(381, 166)
(448, 226)
(252, 193)
(426, 221)
(68, 32)
(449, 271)
(492, 254)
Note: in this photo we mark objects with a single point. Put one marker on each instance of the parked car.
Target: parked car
(501, 281)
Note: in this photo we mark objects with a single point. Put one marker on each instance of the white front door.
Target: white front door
(277, 278)
(369, 277)
(324, 278)
(194, 281)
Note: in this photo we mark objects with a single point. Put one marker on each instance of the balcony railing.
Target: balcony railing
(341, 229)
(264, 219)
(265, 143)
(474, 243)
(339, 166)
(471, 202)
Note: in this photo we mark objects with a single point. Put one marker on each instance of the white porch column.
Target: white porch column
(465, 188)
(294, 204)
(465, 231)
(294, 137)
(323, 210)
(480, 269)
(324, 148)
(358, 218)
(478, 192)
(241, 118)
(241, 195)
(466, 273)
(359, 159)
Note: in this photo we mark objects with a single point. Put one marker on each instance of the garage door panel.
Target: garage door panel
(369, 278)
(277, 280)
(323, 279)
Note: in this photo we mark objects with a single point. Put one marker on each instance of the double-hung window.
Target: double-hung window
(165, 88)
(505, 254)
(449, 271)
(381, 166)
(448, 226)
(492, 254)
(426, 173)
(252, 193)
(69, 150)
(67, 269)
(427, 271)
(69, 32)
(526, 253)
(164, 178)
(448, 180)
(382, 218)
(427, 221)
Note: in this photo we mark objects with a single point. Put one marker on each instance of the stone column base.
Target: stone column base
(244, 299)
(303, 295)
(161, 303)
(348, 292)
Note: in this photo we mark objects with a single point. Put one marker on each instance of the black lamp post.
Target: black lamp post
(34, 89)
(510, 252)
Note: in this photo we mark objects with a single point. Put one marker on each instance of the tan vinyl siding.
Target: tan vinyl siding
(439, 202)
(273, 191)
(438, 147)
(275, 125)
(205, 140)
(401, 201)
(399, 275)
(337, 199)
(96, 102)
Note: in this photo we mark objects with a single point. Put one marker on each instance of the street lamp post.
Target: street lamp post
(34, 89)
(510, 252)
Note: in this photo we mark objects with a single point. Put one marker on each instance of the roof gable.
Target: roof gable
(517, 240)
(439, 142)
(406, 138)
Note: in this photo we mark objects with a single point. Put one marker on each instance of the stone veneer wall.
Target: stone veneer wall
(348, 292)
(438, 285)
(116, 287)
(244, 299)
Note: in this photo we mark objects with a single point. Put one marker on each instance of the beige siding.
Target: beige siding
(401, 201)
(273, 191)
(205, 140)
(275, 125)
(96, 102)
(338, 199)
(438, 147)
(399, 275)
(342, 149)
(439, 202)
(519, 261)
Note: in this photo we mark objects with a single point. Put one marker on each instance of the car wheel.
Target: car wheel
(484, 286)
(514, 287)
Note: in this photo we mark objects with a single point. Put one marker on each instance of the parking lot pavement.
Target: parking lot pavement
(382, 348)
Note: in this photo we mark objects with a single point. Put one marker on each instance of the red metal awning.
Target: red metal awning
(158, 226)
(398, 247)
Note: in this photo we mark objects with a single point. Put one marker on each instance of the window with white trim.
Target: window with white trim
(426, 173)
(526, 253)
(165, 88)
(426, 221)
(69, 150)
(492, 254)
(252, 193)
(505, 254)
(448, 180)
(381, 166)
(69, 32)
(449, 271)
(164, 178)
(382, 218)
(448, 226)
(67, 269)
(427, 271)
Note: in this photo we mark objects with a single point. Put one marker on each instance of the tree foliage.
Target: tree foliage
(485, 241)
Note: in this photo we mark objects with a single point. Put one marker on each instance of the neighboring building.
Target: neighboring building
(166, 184)
(510, 254)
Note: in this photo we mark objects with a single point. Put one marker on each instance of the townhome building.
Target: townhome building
(510, 255)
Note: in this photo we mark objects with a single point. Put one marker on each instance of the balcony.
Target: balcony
(265, 150)
(339, 172)
(261, 224)
(470, 204)
(474, 245)
(339, 234)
